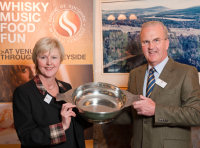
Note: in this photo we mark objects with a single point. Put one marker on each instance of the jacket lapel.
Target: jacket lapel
(167, 70)
(165, 76)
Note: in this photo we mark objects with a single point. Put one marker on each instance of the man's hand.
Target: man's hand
(145, 106)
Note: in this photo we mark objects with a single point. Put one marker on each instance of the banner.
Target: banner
(22, 24)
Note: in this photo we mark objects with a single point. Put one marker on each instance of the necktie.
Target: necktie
(150, 82)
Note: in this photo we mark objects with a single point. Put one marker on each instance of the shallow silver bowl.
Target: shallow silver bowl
(99, 102)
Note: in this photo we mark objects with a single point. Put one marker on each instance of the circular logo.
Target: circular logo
(67, 23)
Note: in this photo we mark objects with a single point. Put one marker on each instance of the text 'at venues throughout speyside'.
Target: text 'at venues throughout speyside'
(25, 54)
(15, 54)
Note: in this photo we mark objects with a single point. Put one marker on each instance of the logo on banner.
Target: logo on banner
(67, 23)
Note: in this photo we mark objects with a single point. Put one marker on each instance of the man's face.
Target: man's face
(154, 44)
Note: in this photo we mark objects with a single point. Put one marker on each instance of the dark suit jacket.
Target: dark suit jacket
(32, 117)
(177, 107)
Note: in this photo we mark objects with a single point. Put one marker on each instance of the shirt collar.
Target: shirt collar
(41, 87)
(160, 66)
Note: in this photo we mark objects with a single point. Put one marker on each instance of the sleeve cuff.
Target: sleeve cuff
(57, 133)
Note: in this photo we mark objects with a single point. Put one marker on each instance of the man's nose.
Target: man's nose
(151, 45)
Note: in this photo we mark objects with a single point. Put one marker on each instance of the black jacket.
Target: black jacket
(32, 117)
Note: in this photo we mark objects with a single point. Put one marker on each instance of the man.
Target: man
(163, 118)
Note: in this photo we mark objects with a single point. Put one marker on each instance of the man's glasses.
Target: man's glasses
(156, 41)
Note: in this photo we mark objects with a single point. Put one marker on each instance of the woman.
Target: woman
(39, 119)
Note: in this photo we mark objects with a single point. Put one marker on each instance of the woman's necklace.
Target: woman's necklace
(51, 87)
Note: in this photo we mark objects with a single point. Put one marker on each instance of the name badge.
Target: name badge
(161, 83)
(48, 98)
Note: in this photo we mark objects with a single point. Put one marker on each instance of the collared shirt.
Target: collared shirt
(57, 133)
(158, 69)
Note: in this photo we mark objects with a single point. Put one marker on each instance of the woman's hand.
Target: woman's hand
(66, 114)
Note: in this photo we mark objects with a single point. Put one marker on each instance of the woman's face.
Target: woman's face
(48, 63)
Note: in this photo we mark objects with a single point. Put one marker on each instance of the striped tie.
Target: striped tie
(150, 82)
